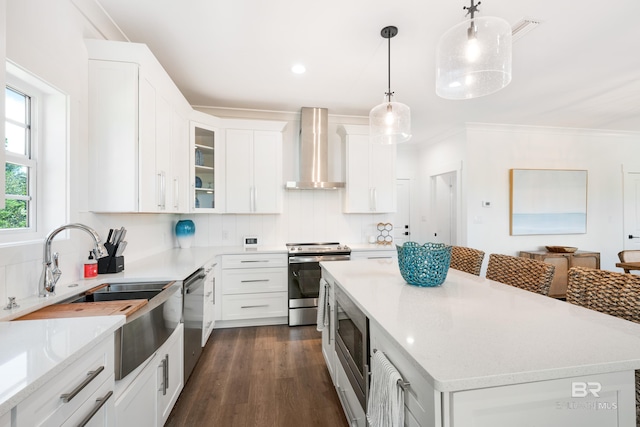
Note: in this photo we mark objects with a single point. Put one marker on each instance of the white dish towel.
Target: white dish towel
(323, 319)
(385, 407)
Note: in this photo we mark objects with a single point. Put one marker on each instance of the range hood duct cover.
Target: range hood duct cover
(314, 152)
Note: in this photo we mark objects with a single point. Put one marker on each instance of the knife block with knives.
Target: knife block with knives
(115, 246)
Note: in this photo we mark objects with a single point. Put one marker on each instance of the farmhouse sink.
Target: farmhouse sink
(153, 311)
(121, 291)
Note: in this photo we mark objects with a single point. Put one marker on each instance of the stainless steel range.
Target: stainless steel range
(304, 277)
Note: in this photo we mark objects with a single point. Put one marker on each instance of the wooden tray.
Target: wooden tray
(87, 309)
(561, 249)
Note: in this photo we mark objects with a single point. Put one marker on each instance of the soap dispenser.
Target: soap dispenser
(90, 267)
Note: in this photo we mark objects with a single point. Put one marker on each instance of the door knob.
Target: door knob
(631, 236)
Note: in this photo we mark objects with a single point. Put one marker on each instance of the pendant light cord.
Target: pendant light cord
(388, 33)
(389, 93)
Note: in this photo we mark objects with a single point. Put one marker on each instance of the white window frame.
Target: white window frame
(30, 159)
(50, 126)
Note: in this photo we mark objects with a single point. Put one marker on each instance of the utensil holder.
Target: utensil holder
(110, 264)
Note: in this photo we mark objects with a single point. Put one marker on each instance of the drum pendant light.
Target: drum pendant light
(473, 58)
(389, 122)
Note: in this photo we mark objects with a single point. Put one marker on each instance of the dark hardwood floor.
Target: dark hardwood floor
(260, 376)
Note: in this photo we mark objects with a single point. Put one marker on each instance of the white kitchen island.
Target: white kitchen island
(480, 353)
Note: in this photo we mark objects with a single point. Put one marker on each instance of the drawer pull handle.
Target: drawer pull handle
(254, 281)
(99, 404)
(91, 375)
(255, 306)
(253, 260)
(342, 395)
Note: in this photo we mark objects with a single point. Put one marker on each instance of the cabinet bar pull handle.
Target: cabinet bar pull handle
(91, 375)
(100, 403)
(254, 306)
(166, 375)
(253, 260)
(254, 281)
(375, 199)
(176, 193)
(343, 398)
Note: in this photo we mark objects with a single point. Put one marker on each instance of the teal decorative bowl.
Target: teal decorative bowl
(424, 265)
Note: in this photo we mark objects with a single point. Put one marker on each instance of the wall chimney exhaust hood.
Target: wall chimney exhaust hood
(314, 152)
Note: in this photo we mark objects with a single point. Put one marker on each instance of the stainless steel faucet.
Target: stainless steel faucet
(50, 271)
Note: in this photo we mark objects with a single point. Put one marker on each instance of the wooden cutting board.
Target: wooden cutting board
(87, 309)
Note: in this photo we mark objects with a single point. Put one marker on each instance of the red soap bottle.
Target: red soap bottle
(90, 267)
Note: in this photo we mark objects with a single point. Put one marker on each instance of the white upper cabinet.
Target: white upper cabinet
(207, 163)
(254, 166)
(138, 132)
(371, 173)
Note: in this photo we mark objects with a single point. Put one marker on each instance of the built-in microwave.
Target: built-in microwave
(352, 343)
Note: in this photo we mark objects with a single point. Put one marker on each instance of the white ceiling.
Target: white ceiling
(580, 68)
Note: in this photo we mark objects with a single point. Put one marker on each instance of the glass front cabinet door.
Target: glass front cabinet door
(206, 174)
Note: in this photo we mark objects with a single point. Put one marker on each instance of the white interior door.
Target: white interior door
(631, 210)
(402, 217)
(445, 210)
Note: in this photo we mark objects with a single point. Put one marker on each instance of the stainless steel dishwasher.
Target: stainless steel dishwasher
(193, 316)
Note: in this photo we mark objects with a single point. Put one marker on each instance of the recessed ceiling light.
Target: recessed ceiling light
(298, 69)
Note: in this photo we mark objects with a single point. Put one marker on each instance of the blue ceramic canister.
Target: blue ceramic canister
(185, 230)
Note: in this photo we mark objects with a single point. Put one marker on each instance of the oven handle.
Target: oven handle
(318, 258)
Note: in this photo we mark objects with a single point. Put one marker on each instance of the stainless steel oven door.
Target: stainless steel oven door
(304, 287)
(352, 343)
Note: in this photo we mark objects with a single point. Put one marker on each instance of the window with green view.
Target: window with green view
(20, 164)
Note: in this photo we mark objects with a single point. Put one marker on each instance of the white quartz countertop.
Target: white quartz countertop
(34, 351)
(472, 332)
(174, 264)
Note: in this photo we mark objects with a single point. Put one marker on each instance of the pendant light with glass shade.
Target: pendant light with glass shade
(389, 122)
(473, 58)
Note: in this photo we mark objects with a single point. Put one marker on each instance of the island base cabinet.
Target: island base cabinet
(355, 414)
(421, 402)
(548, 403)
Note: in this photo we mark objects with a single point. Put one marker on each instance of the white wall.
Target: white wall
(46, 39)
(489, 151)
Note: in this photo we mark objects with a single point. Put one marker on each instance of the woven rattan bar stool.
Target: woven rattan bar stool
(466, 259)
(524, 273)
(617, 294)
(629, 256)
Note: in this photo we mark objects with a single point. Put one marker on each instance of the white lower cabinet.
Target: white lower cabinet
(83, 391)
(421, 402)
(170, 374)
(95, 411)
(541, 403)
(254, 289)
(549, 403)
(5, 420)
(350, 404)
(150, 397)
